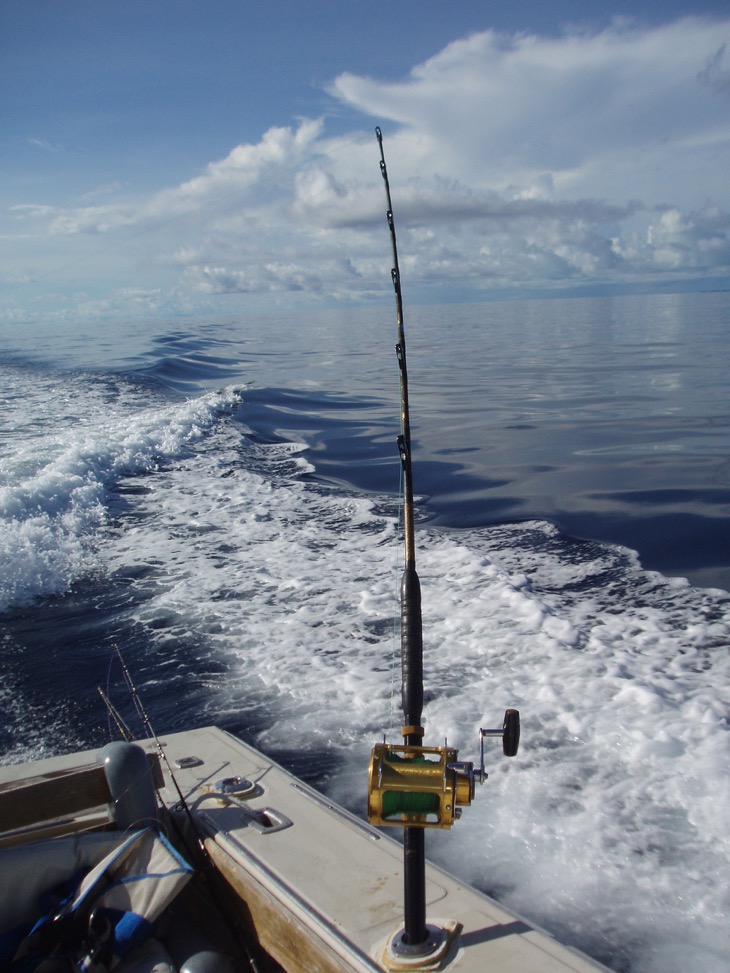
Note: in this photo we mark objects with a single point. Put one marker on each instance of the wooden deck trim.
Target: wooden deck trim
(27, 803)
(283, 935)
(46, 798)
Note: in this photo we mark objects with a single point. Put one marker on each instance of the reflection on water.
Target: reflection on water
(570, 410)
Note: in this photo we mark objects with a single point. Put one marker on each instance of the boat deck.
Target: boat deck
(323, 889)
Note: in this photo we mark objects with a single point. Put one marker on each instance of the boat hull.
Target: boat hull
(320, 889)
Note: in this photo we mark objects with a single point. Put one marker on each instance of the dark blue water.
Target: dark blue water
(607, 417)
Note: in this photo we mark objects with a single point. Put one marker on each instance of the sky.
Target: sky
(187, 157)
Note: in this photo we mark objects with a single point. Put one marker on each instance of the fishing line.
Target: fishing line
(144, 716)
(136, 701)
(114, 714)
(394, 637)
(226, 911)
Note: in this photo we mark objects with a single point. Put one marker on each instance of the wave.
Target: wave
(262, 599)
(604, 826)
(185, 363)
(56, 480)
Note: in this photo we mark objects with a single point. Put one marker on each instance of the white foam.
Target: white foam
(52, 503)
(610, 827)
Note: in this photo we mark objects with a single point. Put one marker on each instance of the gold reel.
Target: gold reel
(426, 787)
(422, 787)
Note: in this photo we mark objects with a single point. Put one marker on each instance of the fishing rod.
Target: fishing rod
(114, 714)
(411, 614)
(149, 729)
(228, 914)
(410, 785)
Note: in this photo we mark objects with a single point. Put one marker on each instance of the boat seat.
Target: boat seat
(35, 874)
(60, 803)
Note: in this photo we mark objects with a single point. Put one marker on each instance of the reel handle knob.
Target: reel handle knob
(511, 732)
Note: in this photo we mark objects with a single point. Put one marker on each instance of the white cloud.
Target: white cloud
(45, 145)
(516, 162)
(699, 240)
(493, 110)
(246, 167)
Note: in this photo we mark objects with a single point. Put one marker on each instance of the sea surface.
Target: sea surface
(218, 503)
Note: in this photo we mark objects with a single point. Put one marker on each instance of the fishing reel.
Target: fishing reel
(426, 787)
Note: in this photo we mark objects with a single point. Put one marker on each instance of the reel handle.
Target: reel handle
(510, 733)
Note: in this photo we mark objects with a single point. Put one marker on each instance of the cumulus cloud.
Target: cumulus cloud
(245, 170)
(497, 109)
(516, 162)
(246, 167)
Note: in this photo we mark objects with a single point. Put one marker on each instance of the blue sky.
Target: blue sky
(196, 156)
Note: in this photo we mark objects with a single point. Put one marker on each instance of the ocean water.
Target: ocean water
(218, 500)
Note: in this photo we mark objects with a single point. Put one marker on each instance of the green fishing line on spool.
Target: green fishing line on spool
(396, 803)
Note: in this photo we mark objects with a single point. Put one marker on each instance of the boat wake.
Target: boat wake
(247, 592)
